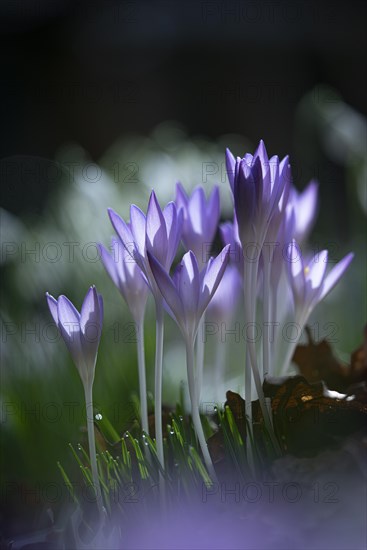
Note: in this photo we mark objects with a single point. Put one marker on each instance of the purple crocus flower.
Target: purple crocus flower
(189, 291)
(127, 277)
(257, 183)
(200, 219)
(80, 331)
(308, 281)
(187, 295)
(158, 232)
(310, 285)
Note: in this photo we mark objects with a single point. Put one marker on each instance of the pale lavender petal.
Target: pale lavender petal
(244, 200)
(156, 232)
(174, 228)
(306, 208)
(181, 197)
(316, 269)
(109, 264)
(123, 231)
(335, 274)
(52, 304)
(138, 228)
(196, 210)
(167, 288)
(91, 319)
(212, 277)
(67, 314)
(189, 288)
(69, 325)
(295, 270)
(91, 316)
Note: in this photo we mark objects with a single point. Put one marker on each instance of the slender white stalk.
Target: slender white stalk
(195, 408)
(142, 376)
(250, 316)
(220, 358)
(301, 320)
(274, 316)
(267, 320)
(92, 445)
(200, 353)
(158, 380)
(248, 377)
(266, 317)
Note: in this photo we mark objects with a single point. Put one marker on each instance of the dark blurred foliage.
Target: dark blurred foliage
(91, 72)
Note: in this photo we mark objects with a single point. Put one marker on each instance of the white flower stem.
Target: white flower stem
(195, 408)
(92, 445)
(220, 358)
(274, 314)
(142, 376)
(301, 320)
(158, 381)
(266, 317)
(248, 377)
(250, 317)
(200, 351)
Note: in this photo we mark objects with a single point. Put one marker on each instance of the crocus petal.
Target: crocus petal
(123, 231)
(196, 210)
(156, 232)
(69, 325)
(91, 328)
(306, 207)
(138, 225)
(181, 196)
(244, 200)
(90, 315)
(316, 269)
(52, 304)
(212, 278)
(109, 263)
(68, 315)
(173, 221)
(295, 269)
(335, 274)
(230, 167)
(167, 288)
(189, 288)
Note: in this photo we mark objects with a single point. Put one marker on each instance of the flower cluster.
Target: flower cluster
(269, 217)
